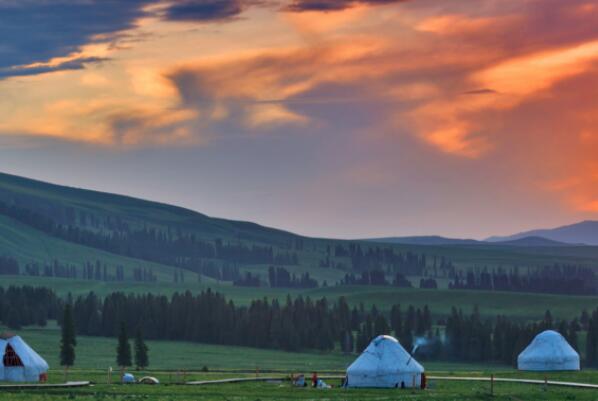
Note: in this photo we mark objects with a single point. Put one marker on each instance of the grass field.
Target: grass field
(170, 359)
(282, 390)
(99, 353)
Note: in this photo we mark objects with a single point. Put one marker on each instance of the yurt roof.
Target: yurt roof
(385, 353)
(551, 349)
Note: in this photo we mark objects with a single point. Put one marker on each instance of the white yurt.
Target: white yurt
(20, 363)
(548, 351)
(385, 363)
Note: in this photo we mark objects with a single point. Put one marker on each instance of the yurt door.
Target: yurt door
(13, 366)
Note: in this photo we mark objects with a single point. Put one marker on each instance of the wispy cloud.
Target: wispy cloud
(43, 68)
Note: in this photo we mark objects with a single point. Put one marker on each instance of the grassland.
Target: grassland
(440, 391)
(174, 362)
(99, 353)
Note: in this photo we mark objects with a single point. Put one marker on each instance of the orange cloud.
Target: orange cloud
(532, 73)
(506, 85)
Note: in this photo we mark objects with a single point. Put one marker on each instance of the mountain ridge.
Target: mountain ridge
(584, 232)
(424, 240)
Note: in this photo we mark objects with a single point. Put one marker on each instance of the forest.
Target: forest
(555, 279)
(295, 324)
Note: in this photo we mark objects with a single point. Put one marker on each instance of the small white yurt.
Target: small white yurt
(385, 363)
(20, 363)
(548, 351)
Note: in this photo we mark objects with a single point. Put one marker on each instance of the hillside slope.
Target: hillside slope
(50, 224)
(30, 246)
(104, 211)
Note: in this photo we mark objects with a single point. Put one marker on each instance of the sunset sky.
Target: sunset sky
(344, 118)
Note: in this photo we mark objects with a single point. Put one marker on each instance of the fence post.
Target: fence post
(492, 385)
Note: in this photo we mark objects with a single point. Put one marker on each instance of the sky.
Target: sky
(339, 118)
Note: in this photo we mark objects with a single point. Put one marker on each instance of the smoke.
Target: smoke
(418, 342)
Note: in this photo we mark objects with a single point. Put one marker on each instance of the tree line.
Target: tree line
(279, 277)
(299, 323)
(556, 279)
(302, 323)
(375, 277)
(377, 258)
(26, 305)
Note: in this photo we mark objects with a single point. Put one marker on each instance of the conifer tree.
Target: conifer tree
(68, 339)
(141, 357)
(592, 340)
(123, 351)
(396, 320)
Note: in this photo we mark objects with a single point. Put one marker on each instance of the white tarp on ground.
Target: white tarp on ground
(33, 364)
(548, 351)
(385, 363)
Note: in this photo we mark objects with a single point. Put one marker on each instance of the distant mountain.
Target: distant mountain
(425, 240)
(531, 242)
(585, 232)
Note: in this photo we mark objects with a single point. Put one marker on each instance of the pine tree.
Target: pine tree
(381, 326)
(123, 351)
(572, 336)
(141, 358)
(68, 339)
(362, 341)
(396, 320)
(592, 340)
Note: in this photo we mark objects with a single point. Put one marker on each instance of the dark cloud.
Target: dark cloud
(333, 5)
(203, 10)
(76, 64)
(482, 91)
(35, 31)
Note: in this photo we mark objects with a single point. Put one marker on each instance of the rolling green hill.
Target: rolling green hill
(47, 224)
(98, 210)
(29, 245)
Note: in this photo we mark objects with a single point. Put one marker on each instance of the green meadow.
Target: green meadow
(176, 362)
(279, 390)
